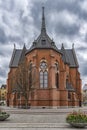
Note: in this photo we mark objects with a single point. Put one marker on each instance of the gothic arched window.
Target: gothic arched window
(43, 75)
(56, 75)
(67, 81)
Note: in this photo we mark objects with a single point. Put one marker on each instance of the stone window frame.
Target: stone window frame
(43, 74)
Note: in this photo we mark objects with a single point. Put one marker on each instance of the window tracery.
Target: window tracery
(43, 75)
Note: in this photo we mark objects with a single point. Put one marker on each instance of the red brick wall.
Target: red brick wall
(51, 96)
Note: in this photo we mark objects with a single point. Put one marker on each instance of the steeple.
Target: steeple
(14, 46)
(43, 27)
(43, 41)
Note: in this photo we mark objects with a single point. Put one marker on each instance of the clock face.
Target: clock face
(43, 65)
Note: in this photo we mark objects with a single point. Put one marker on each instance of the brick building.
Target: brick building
(3, 93)
(43, 75)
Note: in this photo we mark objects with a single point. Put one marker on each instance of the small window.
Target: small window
(43, 42)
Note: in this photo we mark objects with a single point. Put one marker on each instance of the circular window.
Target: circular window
(43, 65)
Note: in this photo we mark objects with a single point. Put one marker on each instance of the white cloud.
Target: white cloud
(64, 17)
(83, 5)
(83, 29)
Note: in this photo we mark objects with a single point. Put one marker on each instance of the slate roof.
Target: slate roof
(64, 55)
(44, 42)
(15, 58)
(72, 58)
(69, 57)
(22, 56)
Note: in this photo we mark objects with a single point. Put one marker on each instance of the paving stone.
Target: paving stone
(37, 119)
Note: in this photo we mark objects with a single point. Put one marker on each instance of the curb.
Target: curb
(34, 125)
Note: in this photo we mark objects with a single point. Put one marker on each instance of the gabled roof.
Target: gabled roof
(15, 58)
(69, 57)
(64, 55)
(43, 41)
(72, 58)
(22, 56)
(18, 57)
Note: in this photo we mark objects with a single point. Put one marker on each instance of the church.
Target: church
(44, 76)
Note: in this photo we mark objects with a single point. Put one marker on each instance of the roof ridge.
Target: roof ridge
(74, 56)
(65, 54)
(22, 54)
(12, 58)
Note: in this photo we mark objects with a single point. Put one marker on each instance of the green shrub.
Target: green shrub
(76, 117)
(4, 116)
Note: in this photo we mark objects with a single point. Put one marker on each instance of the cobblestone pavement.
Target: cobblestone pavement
(37, 119)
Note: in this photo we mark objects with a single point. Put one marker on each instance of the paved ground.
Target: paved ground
(37, 119)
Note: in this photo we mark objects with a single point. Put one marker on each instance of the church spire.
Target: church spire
(43, 27)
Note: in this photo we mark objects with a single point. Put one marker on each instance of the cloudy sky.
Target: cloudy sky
(20, 22)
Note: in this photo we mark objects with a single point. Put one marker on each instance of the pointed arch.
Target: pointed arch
(57, 75)
(43, 74)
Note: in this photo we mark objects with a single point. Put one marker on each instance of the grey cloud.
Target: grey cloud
(36, 14)
(67, 30)
(15, 39)
(72, 6)
(3, 37)
(2, 72)
(23, 27)
(57, 6)
(85, 39)
(81, 48)
(84, 69)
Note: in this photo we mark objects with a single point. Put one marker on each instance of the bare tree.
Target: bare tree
(26, 80)
(21, 82)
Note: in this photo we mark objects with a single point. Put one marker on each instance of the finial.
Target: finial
(14, 46)
(62, 45)
(52, 39)
(73, 45)
(24, 46)
(43, 28)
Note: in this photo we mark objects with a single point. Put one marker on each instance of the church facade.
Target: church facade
(43, 75)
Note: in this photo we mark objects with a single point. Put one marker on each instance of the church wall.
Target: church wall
(10, 84)
(63, 98)
(51, 94)
(73, 76)
(76, 82)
